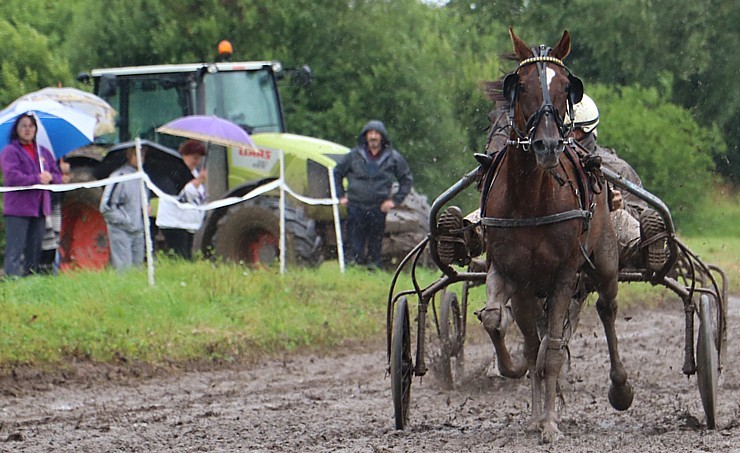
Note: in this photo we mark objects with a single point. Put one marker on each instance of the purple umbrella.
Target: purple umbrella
(210, 129)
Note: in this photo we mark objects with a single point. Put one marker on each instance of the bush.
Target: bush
(667, 148)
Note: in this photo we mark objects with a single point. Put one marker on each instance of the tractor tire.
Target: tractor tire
(405, 227)
(83, 242)
(89, 196)
(249, 233)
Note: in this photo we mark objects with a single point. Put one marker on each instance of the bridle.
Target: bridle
(524, 139)
(511, 91)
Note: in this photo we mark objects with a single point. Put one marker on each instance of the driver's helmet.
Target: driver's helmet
(586, 115)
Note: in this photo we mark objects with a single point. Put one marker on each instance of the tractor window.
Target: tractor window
(247, 98)
(153, 103)
(145, 103)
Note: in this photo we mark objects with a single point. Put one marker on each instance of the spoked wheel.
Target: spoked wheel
(451, 336)
(707, 360)
(401, 366)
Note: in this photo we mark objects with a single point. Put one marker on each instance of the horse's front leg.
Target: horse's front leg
(553, 348)
(620, 392)
(496, 318)
(606, 281)
(527, 312)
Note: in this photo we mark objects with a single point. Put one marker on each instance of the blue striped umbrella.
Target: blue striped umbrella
(61, 129)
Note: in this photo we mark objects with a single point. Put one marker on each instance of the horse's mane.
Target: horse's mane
(494, 89)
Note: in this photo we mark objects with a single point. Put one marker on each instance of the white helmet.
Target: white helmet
(586, 115)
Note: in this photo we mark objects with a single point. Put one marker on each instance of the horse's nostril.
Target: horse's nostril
(538, 146)
(554, 146)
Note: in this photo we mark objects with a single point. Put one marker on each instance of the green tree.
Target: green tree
(145, 32)
(668, 149)
(713, 90)
(49, 18)
(411, 68)
(28, 62)
(683, 47)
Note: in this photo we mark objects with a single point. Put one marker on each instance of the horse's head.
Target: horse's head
(540, 92)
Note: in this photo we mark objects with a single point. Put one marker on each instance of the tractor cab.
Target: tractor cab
(146, 97)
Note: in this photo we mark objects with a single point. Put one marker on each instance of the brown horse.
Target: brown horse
(548, 235)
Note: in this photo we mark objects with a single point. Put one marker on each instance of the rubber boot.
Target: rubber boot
(656, 250)
(451, 246)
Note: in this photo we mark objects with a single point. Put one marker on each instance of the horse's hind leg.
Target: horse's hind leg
(605, 280)
(620, 392)
(494, 319)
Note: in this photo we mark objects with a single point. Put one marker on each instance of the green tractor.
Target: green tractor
(245, 93)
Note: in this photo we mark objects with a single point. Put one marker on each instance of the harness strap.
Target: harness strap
(496, 222)
(586, 195)
(490, 174)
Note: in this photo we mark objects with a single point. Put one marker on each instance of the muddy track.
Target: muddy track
(342, 402)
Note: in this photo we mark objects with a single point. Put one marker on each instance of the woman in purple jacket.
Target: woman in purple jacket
(24, 163)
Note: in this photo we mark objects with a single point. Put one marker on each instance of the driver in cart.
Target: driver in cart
(460, 240)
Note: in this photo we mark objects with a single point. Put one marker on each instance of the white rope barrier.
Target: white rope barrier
(165, 196)
(224, 202)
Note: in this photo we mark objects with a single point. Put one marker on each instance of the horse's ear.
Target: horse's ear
(562, 49)
(575, 92)
(510, 83)
(521, 49)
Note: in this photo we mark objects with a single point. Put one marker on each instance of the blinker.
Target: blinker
(509, 88)
(575, 92)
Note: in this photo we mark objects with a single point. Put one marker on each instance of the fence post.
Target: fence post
(145, 213)
(282, 213)
(337, 223)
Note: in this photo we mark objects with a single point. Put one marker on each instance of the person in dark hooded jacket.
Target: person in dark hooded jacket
(371, 168)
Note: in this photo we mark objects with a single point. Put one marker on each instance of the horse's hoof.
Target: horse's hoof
(621, 397)
(534, 425)
(492, 371)
(550, 433)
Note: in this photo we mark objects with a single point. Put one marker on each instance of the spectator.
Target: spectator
(121, 207)
(49, 245)
(179, 225)
(25, 163)
(371, 168)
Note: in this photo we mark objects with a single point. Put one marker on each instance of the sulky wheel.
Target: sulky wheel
(401, 366)
(707, 360)
(451, 336)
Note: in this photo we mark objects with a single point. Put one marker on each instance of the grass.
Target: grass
(194, 311)
(715, 235)
(201, 311)
(719, 217)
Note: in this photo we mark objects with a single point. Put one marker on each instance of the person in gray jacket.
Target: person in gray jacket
(122, 210)
(371, 168)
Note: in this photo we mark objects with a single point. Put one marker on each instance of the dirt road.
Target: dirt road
(342, 402)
